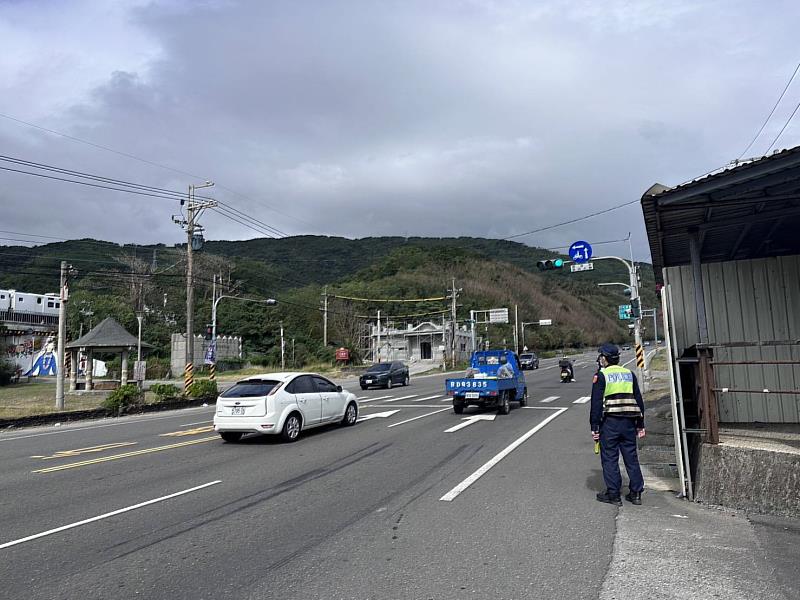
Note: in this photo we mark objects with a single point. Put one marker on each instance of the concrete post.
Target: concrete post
(89, 368)
(73, 372)
(123, 375)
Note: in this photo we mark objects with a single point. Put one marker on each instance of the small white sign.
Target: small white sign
(582, 267)
(545, 321)
(498, 315)
(139, 370)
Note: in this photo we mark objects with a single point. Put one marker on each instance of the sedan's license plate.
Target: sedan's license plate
(368, 381)
(472, 395)
(237, 410)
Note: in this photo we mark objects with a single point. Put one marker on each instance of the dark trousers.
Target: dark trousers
(618, 434)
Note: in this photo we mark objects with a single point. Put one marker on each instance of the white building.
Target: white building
(427, 341)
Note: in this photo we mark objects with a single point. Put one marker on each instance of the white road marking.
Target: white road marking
(402, 406)
(582, 400)
(127, 422)
(434, 397)
(419, 417)
(402, 398)
(550, 399)
(551, 367)
(454, 493)
(198, 423)
(376, 398)
(469, 421)
(381, 415)
(106, 515)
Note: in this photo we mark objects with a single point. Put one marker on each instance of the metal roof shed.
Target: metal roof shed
(728, 247)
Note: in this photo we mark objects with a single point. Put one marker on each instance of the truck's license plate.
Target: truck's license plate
(472, 395)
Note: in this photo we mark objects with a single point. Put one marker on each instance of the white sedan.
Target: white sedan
(282, 403)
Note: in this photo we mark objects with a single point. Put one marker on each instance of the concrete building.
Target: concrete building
(427, 341)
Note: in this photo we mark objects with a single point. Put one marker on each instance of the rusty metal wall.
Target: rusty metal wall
(746, 301)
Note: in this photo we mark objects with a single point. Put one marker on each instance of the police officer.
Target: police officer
(617, 419)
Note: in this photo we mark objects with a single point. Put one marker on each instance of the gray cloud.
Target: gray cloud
(391, 118)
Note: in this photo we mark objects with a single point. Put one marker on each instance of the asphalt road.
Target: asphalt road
(390, 508)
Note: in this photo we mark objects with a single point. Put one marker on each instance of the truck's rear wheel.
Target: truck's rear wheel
(524, 400)
(458, 406)
(505, 405)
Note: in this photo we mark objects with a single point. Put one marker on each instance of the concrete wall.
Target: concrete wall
(227, 347)
(753, 479)
(746, 301)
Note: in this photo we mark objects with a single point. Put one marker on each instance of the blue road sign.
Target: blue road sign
(624, 311)
(580, 252)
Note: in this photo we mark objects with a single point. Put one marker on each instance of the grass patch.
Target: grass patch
(39, 398)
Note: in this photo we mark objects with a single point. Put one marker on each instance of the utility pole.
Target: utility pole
(454, 323)
(193, 211)
(283, 350)
(516, 328)
(62, 335)
(378, 342)
(472, 328)
(325, 317)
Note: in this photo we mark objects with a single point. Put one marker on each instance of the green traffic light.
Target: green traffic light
(558, 263)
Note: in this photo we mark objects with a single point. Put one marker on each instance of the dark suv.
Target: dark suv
(528, 360)
(385, 375)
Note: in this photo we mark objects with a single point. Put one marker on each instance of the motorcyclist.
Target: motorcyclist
(566, 364)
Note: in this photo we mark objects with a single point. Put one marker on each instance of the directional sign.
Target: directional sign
(380, 415)
(581, 267)
(624, 312)
(469, 421)
(580, 252)
(498, 315)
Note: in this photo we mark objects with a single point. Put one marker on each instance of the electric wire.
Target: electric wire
(769, 116)
(785, 125)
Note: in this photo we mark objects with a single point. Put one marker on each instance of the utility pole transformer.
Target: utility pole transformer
(193, 211)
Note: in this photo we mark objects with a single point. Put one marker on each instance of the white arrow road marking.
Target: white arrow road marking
(434, 397)
(376, 398)
(469, 421)
(582, 400)
(402, 398)
(107, 515)
(380, 415)
(453, 494)
(550, 399)
(419, 417)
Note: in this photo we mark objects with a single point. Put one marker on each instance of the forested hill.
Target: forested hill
(492, 273)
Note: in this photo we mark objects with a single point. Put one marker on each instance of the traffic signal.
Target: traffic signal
(628, 292)
(209, 332)
(550, 264)
(636, 308)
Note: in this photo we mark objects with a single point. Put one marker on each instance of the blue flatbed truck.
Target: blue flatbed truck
(493, 379)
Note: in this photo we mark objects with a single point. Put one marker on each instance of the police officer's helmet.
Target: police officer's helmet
(610, 351)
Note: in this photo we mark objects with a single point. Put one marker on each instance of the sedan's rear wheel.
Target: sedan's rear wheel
(291, 428)
(350, 415)
(231, 436)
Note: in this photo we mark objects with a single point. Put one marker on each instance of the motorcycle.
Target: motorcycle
(566, 375)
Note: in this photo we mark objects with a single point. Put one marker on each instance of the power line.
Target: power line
(769, 116)
(147, 162)
(569, 222)
(785, 125)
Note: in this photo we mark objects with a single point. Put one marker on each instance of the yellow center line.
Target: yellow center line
(183, 432)
(95, 461)
(68, 453)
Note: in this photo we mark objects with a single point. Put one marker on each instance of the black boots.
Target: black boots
(634, 498)
(608, 498)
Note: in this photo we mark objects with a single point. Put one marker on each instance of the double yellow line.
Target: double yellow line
(94, 461)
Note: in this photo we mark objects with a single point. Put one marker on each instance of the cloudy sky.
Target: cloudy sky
(362, 118)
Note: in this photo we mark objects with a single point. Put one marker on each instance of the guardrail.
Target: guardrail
(13, 316)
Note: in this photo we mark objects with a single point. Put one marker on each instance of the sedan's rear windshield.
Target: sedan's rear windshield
(526, 356)
(379, 368)
(250, 389)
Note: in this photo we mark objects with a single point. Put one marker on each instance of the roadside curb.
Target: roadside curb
(96, 413)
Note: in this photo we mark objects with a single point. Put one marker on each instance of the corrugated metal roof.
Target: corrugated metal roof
(746, 210)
